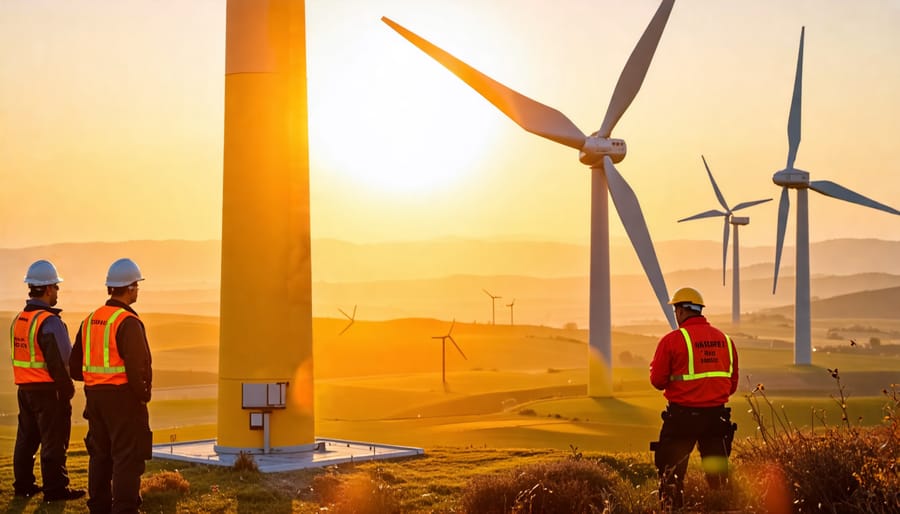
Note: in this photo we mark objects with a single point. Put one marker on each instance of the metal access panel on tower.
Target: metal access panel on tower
(264, 396)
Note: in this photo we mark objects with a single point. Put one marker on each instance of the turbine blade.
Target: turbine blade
(840, 192)
(354, 312)
(458, 349)
(532, 116)
(705, 214)
(345, 314)
(715, 186)
(744, 205)
(635, 69)
(629, 211)
(784, 205)
(725, 246)
(794, 118)
(345, 328)
(452, 324)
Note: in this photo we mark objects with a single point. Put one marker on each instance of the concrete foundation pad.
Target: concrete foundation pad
(328, 452)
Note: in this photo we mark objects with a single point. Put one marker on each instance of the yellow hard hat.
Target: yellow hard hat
(687, 295)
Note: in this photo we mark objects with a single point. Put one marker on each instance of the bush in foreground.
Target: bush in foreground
(835, 469)
(356, 494)
(165, 481)
(572, 486)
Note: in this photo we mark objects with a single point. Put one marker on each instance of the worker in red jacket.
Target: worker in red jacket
(697, 368)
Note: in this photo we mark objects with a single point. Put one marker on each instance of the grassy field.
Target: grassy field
(522, 387)
(430, 483)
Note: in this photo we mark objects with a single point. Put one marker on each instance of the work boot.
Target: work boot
(671, 497)
(64, 495)
(29, 491)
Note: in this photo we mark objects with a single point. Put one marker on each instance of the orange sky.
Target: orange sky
(111, 116)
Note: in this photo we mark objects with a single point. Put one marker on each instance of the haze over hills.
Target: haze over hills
(444, 278)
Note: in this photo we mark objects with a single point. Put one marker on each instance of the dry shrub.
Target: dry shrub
(838, 469)
(245, 462)
(570, 486)
(364, 494)
(165, 481)
(326, 487)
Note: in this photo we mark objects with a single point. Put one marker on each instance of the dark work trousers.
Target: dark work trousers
(118, 441)
(45, 420)
(710, 429)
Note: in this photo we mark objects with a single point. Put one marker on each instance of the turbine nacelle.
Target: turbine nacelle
(596, 148)
(791, 177)
(740, 220)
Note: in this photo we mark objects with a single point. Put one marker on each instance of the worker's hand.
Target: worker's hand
(65, 389)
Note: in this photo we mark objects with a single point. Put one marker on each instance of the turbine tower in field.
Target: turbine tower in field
(511, 305)
(444, 351)
(493, 310)
(600, 152)
(737, 221)
(265, 204)
(793, 178)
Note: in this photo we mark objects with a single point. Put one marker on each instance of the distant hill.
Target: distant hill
(187, 264)
(878, 304)
(444, 279)
(340, 261)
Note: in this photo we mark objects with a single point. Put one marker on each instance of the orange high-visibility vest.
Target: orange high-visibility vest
(29, 366)
(102, 363)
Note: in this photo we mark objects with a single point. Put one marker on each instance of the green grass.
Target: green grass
(493, 406)
(429, 483)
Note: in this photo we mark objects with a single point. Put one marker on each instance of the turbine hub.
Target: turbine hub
(595, 148)
(794, 178)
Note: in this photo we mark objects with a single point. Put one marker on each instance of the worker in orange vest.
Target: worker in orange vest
(40, 359)
(697, 368)
(112, 356)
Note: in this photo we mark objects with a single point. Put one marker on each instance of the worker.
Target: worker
(112, 356)
(40, 359)
(697, 368)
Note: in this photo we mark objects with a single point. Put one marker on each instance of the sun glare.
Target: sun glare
(415, 128)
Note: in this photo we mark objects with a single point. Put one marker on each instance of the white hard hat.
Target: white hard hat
(123, 272)
(42, 273)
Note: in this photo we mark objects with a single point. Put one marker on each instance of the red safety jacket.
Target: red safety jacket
(696, 365)
(102, 363)
(29, 366)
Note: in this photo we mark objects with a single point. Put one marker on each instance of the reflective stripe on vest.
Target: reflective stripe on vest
(106, 372)
(709, 374)
(34, 369)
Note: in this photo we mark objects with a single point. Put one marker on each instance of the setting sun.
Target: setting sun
(409, 128)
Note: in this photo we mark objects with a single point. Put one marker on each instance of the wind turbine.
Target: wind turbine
(793, 178)
(351, 318)
(600, 152)
(493, 312)
(737, 221)
(511, 305)
(444, 351)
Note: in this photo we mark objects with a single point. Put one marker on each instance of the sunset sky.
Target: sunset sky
(111, 117)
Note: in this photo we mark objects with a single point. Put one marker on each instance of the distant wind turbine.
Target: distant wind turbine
(737, 221)
(600, 152)
(444, 351)
(511, 305)
(493, 311)
(793, 178)
(351, 318)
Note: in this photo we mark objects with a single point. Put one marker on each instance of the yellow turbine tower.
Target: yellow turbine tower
(265, 398)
